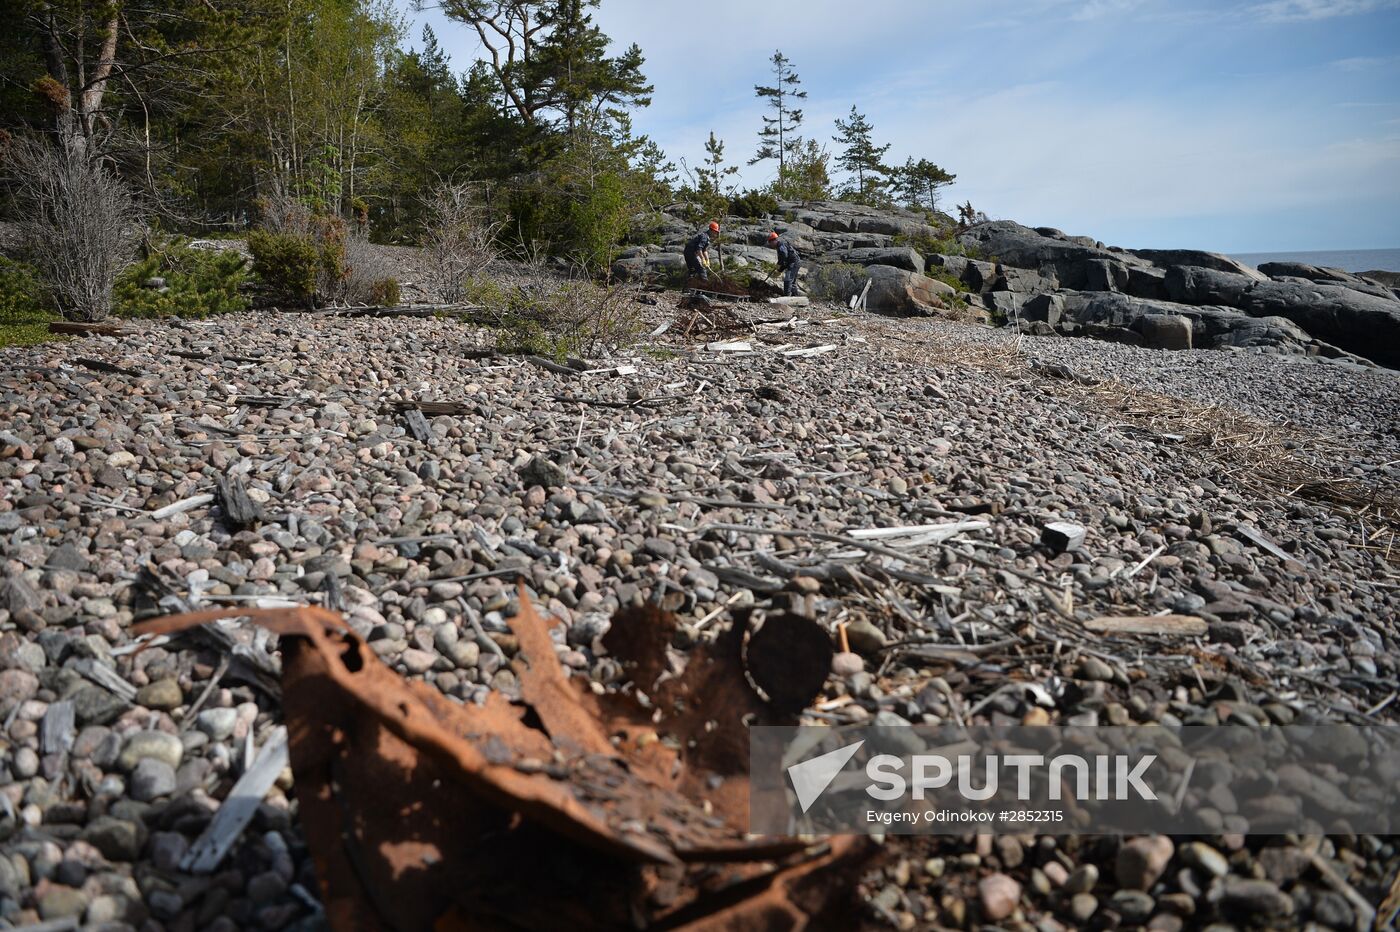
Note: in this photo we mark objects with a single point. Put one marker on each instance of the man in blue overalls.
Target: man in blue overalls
(789, 262)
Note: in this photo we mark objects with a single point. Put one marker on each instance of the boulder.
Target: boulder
(1312, 273)
(1359, 323)
(1301, 273)
(1195, 285)
(1104, 275)
(900, 291)
(1211, 327)
(1026, 281)
(1150, 283)
(1166, 258)
(901, 257)
(656, 265)
(1048, 308)
(953, 265)
(844, 217)
(1071, 258)
(979, 276)
(1005, 303)
(1166, 331)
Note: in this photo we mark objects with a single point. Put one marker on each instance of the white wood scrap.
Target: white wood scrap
(1263, 543)
(730, 346)
(1187, 625)
(812, 350)
(914, 535)
(240, 806)
(175, 508)
(106, 677)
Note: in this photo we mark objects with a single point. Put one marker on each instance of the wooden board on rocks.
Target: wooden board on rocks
(1181, 625)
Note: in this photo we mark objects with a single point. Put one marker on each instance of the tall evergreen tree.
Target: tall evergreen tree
(571, 70)
(861, 157)
(778, 138)
(550, 58)
(920, 183)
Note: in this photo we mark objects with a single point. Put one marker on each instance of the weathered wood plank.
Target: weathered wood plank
(1181, 625)
(240, 511)
(185, 504)
(73, 328)
(56, 730)
(106, 677)
(98, 365)
(418, 425)
(240, 806)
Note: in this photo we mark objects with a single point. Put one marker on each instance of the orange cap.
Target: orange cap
(772, 234)
(714, 226)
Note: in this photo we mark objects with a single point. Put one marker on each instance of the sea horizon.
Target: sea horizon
(1348, 260)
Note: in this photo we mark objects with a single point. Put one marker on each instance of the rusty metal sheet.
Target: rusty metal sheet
(563, 810)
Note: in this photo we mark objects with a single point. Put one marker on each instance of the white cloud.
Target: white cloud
(1305, 10)
(1098, 9)
(1366, 62)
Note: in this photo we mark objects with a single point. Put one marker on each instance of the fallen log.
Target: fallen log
(98, 365)
(405, 310)
(73, 328)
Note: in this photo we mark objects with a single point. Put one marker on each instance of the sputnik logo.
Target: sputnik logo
(810, 778)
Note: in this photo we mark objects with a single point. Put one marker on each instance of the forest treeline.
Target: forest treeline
(317, 126)
(209, 106)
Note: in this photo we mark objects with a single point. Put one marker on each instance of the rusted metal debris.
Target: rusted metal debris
(564, 809)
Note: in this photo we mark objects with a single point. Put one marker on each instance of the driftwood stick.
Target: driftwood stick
(240, 806)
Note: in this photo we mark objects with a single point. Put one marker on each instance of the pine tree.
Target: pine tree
(806, 176)
(919, 183)
(778, 139)
(549, 57)
(861, 157)
(715, 171)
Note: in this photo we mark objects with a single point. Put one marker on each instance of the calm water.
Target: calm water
(1348, 260)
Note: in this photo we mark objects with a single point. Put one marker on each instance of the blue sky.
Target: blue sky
(1233, 126)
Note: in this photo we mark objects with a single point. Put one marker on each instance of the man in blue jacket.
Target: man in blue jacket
(789, 262)
(697, 252)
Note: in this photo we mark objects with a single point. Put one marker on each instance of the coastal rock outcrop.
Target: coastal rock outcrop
(1056, 282)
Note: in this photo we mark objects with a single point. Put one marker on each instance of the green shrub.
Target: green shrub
(926, 245)
(485, 292)
(287, 263)
(302, 257)
(523, 335)
(837, 281)
(25, 310)
(330, 235)
(946, 277)
(198, 283)
(385, 292)
(549, 317)
(752, 205)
